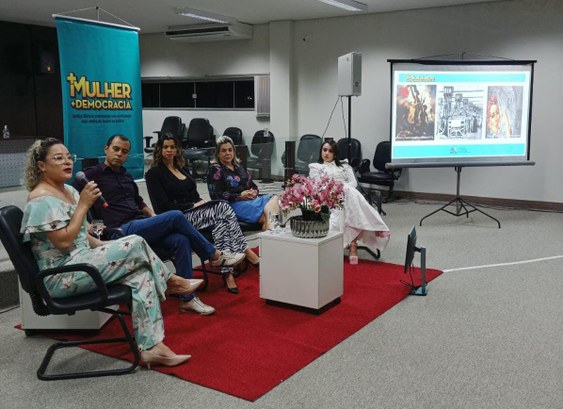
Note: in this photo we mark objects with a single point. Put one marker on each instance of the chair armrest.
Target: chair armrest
(395, 172)
(355, 162)
(364, 166)
(98, 297)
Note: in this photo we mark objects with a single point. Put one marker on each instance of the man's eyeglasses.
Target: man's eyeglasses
(60, 159)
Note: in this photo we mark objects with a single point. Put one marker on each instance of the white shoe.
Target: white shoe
(228, 259)
(195, 305)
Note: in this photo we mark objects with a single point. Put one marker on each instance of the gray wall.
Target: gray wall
(305, 85)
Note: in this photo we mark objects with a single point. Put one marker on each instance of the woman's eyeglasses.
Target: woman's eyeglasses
(60, 159)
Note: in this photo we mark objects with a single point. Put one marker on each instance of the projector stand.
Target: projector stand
(459, 204)
(422, 289)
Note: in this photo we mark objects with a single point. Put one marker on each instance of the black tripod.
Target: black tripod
(460, 204)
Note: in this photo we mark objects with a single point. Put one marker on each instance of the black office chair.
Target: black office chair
(308, 150)
(171, 124)
(373, 197)
(31, 280)
(235, 134)
(242, 150)
(261, 149)
(356, 152)
(199, 144)
(383, 176)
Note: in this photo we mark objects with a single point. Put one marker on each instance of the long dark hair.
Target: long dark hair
(179, 160)
(334, 147)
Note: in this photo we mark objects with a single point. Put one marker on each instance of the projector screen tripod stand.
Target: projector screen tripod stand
(462, 207)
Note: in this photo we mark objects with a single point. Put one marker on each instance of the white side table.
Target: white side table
(301, 272)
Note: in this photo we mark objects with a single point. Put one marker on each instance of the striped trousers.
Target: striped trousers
(221, 218)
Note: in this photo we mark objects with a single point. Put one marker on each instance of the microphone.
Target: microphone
(82, 177)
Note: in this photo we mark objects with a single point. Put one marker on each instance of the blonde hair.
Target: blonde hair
(37, 152)
(222, 141)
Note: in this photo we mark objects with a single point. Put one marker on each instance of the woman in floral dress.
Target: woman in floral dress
(55, 222)
(227, 180)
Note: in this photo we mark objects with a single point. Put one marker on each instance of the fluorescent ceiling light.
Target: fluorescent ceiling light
(349, 5)
(204, 15)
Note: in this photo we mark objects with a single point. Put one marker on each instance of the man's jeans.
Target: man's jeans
(173, 231)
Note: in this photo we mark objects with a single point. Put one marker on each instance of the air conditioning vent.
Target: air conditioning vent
(210, 32)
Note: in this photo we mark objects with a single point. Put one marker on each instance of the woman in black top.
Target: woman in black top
(171, 187)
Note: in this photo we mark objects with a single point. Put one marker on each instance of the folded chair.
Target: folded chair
(101, 299)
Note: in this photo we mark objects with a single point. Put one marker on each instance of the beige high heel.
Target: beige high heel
(151, 358)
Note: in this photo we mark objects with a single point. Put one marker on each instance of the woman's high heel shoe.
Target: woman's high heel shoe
(232, 290)
(153, 359)
(353, 259)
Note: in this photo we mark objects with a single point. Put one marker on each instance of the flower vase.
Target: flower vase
(310, 225)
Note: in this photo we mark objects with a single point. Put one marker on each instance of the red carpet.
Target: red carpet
(248, 347)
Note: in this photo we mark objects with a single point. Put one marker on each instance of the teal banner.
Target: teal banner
(101, 88)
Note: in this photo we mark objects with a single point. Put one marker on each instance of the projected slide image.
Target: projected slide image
(460, 112)
(416, 107)
(504, 113)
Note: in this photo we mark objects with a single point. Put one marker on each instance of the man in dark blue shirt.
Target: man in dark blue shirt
(127, 210)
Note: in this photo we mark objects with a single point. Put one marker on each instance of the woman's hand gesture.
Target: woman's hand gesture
(248, 194)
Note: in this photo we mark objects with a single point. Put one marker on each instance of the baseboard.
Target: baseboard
(484, 201)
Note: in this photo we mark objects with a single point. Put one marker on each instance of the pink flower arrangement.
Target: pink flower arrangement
(318, 194)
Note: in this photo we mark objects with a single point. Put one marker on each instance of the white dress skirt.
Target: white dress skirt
(358, 219)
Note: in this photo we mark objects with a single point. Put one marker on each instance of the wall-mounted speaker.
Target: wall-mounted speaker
(44, 59)
(350, 74)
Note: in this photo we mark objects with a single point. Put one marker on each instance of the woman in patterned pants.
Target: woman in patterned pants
(171, 187)
(54, 221)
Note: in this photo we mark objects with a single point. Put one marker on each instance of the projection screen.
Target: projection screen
(460, 113)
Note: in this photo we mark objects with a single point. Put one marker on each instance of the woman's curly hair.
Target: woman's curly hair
(37, 152)
(179, 160)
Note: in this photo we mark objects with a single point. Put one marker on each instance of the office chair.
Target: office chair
(200, 142)
(101, 299)
(383, 176)
(355, 152)
(235, 134)
(307, 152)
(261, 149)
(373, 198)
(242, 150)
(171, 124)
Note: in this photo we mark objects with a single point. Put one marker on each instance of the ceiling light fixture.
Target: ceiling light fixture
(349, 5)
(204, 15)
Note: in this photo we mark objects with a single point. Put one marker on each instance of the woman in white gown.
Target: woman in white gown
(358, 220)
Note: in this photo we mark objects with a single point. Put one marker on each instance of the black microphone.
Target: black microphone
(82, 177)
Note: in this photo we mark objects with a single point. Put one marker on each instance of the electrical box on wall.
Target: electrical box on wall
(350, 74)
